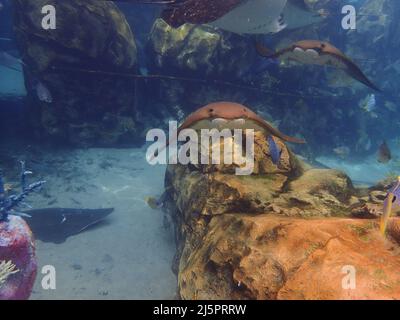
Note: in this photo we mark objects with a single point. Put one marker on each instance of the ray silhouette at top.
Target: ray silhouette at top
(179, 12)
(238, 16)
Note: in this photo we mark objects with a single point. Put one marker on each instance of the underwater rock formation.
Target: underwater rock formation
(202, 50)
(88, 108)
(205, 57)
(280, 233)
(17, 249)
(269, 257)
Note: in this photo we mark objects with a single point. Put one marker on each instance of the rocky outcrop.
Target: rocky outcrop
(290, 232)
(89, 107)
(202, 50)
(208, 65)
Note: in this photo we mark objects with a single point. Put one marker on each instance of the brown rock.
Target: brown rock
(270, 257)
(215, 189)
(367, 211)
(281, 233)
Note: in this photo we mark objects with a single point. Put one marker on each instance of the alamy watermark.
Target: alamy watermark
(49, 277)
(49, 21)
(349, 280)
(202, 147)
(349, 21)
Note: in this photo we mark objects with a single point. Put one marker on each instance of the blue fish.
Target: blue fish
(395, 190)
(274, 151)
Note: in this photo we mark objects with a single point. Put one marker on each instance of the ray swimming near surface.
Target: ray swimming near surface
(317, 52)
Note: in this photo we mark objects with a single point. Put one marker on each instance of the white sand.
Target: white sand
(130, 256)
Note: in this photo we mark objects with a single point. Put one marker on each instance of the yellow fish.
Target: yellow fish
(153, 203)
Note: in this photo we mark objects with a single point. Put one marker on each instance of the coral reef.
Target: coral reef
(87, 108)
(17, 249)
(17, 245)
(281, 233)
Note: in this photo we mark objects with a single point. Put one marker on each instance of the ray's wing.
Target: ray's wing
(353, 70)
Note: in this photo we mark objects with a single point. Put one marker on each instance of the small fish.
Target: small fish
(369, 103)
(343, 152)
(8, 187)
(157, 203)
(395, 190)
(384, 153)
(368, 145)
(274, 150)
(42, 92)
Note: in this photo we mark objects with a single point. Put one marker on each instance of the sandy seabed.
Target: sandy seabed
(129, 255)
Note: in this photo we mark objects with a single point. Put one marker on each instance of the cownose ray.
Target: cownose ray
(57, 224)
(229, 115)
(318, 53)
(243, 16)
